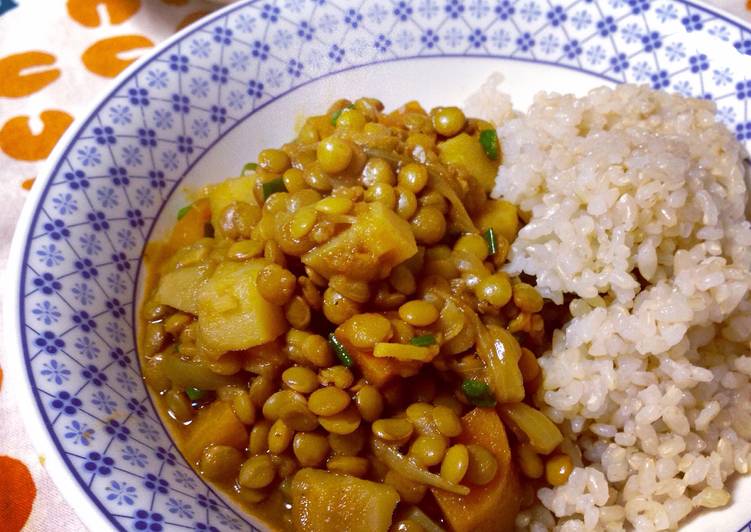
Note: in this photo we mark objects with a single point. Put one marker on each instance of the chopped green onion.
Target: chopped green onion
(208, 230)
(423, 340)
(490, 240)
(248, 167)
(182, 212)
(489, 142)
(340, 350)
(335, 114)
(194, 394)
(478, 393)
(272, 187)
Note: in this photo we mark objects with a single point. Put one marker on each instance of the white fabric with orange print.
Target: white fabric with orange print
(56, 57)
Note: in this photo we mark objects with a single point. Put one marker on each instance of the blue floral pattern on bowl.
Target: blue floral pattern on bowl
(88, 230)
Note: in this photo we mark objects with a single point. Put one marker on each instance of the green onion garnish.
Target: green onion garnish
(490, 240)
(208, 230)
(340, 350)
(489, 143)
(194, 394)
(272, 187)
(335, 114)
(423, 340)
(248, 167)
(478, 393)
(182, 212)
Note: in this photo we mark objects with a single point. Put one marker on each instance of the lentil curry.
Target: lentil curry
(333, 339)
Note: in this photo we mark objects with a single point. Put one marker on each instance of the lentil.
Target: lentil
(328, 401)
(482, 465)
(220, 462)
(393, 429)
(446, 421)
(257, 472)
(280, 436)
(345, 422)
(348, 465)
(369, 402)
(455, 463)
(557, 469)
(418, 313)
(334, 154)
(300, 379)
(310, 448)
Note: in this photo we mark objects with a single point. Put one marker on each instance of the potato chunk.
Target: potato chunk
(324, 502)
(502, 216)
(369, 249)
(466, 151)
(232, 314)
(180, 288)
(229, 191)
(216, 424)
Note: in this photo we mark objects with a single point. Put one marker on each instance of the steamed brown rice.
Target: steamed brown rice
(637, 205)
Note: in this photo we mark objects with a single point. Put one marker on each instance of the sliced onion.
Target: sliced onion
(408, 469)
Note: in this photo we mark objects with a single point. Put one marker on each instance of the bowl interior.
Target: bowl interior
(202, 107)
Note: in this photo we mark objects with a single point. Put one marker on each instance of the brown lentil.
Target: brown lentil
(297, 313)
(393, 429)
(310, 448)
(259, 437)
(482, 465)
(418, 313)
(339, 376)
(557, 469)
(345, 422)
(257, 472)
(300, 379)
(280, 436)
(455, 463)
(369, 402)
(348, 465)
(328, 401)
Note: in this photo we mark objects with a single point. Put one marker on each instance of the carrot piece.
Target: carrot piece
(492, 507)
(190, 227)
(215, 424)
(379, 371)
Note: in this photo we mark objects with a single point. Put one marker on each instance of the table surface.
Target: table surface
(72, 49)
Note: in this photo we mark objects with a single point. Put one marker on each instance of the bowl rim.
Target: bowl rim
(87, 508)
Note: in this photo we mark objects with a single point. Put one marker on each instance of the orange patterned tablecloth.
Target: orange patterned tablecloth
(56, 56)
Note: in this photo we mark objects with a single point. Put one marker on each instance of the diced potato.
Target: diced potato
(215, 424)
(232, 314)
(467, 152)
(502, 216)
(180, 288)
(326, 502)
(221, 195)
(492, 507)
(370, 248)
